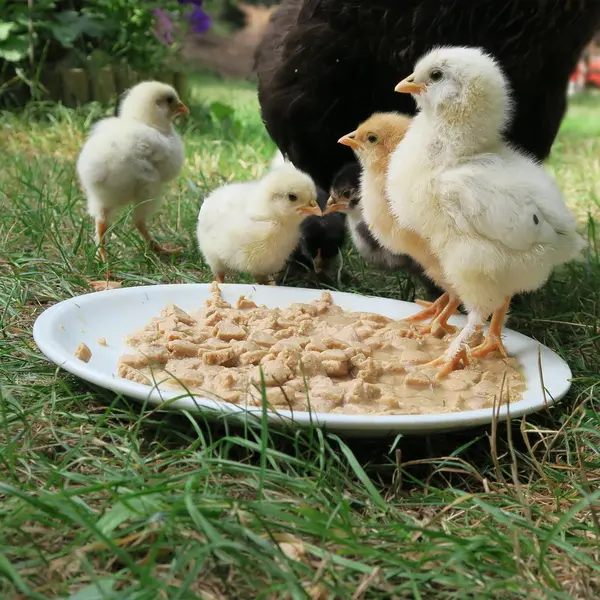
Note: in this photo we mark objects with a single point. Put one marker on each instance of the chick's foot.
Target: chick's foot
(493, 339)
(491, 343)
(160, 249)
(433, 310)
(439, 326)
(449, 364)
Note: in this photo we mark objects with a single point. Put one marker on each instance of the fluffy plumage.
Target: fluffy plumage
(345, 196)
(128, 159)
(253, 227)
(315, 53)
(321, 237)
(321, 240)
(494, 218)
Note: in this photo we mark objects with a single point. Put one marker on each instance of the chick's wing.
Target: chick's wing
(507, 202)
(117, 150)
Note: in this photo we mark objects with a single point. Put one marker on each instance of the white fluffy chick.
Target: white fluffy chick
(128, 159)
(495, 219)
(253, 227)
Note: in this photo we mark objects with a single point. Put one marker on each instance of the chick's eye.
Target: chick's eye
(346, 194)
(170, 99)
(372, 138)
(292, 197)
(436, 75)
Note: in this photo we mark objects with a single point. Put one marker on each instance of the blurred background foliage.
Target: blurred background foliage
(46, 35)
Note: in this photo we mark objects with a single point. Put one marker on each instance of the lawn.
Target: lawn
(100, 500)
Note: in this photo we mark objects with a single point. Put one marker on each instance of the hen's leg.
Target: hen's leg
(439, 326)
(493, 338)
(140, 214)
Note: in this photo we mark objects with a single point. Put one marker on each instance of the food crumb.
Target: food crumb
(82, 352)
(102, 285)
(102, 342)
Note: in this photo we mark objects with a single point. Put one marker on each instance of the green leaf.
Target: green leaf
(9, 572)
(5, 28)
(131, 508)
(64, 34)
(71, 25)
(221, 111)
(96, 591)
(14, 49)
(360, 473)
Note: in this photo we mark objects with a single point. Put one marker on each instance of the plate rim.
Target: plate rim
(339, 421)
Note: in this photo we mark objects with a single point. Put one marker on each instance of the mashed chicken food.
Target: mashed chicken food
(315, 355)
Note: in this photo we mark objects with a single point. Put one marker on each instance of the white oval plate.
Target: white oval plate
(113, 314)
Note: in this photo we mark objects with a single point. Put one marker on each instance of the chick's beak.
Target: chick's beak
(312, 209)
(182, 109)
(349, 140)
(408, 86)
(333, 206)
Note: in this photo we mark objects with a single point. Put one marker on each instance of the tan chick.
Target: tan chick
(128, 159)
(494, 218)
(373, 143)
(254, 226)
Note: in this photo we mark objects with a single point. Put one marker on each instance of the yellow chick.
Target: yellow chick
(128, 159)
(373, 143)
(254, 226)
(494, 218)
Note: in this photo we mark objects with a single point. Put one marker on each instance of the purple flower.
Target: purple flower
(198, 19)
(164, 27)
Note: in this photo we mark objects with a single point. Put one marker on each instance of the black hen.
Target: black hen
(324, 66)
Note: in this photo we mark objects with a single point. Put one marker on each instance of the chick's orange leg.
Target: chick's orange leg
(154, 245)
(439, 325)
(101, 229)
(432, 311)
(220, 277)
(428, 303)
(451, 364)
(493, 338)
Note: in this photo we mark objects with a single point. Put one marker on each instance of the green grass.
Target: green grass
(100, 498)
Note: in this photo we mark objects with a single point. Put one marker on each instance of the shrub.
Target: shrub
(43, 33)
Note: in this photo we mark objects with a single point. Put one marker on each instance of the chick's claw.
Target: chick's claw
(450, 364)
(492, 343)
(160, 249)
(432, 311)
(438, 328)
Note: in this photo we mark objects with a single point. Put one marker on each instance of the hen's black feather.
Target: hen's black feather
(326, 65)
